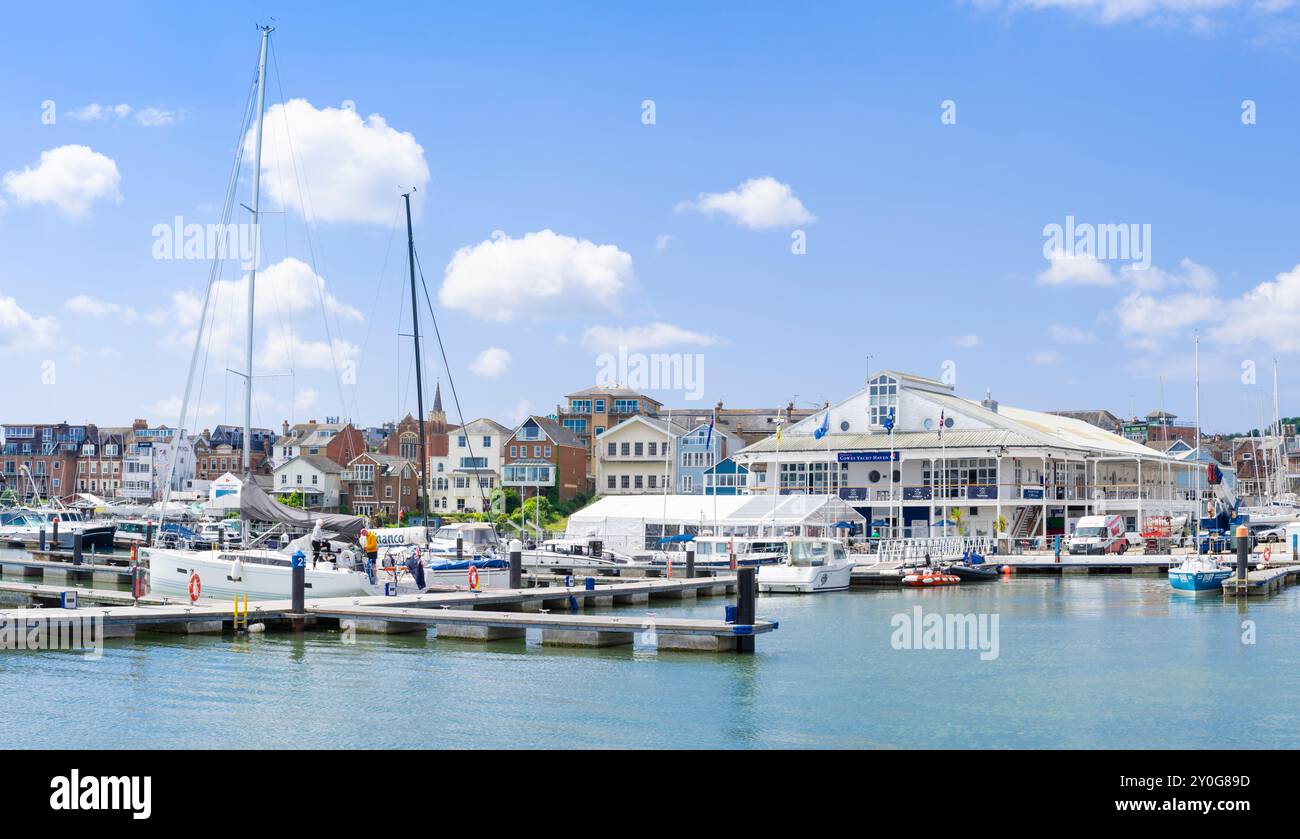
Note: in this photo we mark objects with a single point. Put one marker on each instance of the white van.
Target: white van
(1099, 535)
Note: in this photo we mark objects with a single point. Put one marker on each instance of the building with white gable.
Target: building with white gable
(960, 464)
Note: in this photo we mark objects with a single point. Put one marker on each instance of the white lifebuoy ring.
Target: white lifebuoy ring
(196, 586)
(473, 577)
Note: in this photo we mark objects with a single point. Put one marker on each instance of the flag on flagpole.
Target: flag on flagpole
(824, 427)
(940, 423)
(712, 419)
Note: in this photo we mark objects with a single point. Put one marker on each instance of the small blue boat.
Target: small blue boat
(1198, 573)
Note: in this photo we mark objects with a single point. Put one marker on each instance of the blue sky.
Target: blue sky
(924, 240)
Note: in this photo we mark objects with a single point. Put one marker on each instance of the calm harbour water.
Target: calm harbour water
(1084, 661)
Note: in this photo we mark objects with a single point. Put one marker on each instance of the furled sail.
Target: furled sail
(255, 504)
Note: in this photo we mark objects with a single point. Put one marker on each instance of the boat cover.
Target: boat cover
(255, 504)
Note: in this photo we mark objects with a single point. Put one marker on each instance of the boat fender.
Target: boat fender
(257, 627)
(237, 571)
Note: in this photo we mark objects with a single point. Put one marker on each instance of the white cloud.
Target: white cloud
(757, 203)
(491, 363)
(1045, 357)
(1072, 334)
(96, 112)
(20, 330)
(542, 274)
(1116, 11)
(290, 330)
(1270, 312)
(968, 340)
(522, 410)
(68, 177)
(305, 399)
(84, 304)
(168, 410)
(1148, 321)
(1153, 279)
(662, 241)
(1069, 269)
(149, 117)
(350, 169)
(284, 349)
(154, 117)
(648, 337)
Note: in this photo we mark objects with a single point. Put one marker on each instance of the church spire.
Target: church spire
(437, 398)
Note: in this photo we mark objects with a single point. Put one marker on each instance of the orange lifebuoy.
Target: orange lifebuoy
(473, 577)
(1268, 553)
(196, 586)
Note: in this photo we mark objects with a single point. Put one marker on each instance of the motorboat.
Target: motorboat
(25, 526)
(930, 578)
(972, 569)
(810, 564)
(715, 552)
(1198, 573)
(475, 537)
(574, 553)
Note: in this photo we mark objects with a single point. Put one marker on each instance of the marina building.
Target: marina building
(916, 459)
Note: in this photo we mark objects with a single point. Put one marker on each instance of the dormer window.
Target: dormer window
(882, 397)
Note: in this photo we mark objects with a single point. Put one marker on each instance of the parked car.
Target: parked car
(1270, 534)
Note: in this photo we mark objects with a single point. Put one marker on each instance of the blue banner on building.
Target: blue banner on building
(1031, 493)
(854, 493)
(916, 493)
(982, 492)
(865, 457)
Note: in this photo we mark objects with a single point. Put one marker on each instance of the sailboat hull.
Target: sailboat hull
(219, 579)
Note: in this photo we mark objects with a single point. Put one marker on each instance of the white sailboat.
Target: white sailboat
(257, 573)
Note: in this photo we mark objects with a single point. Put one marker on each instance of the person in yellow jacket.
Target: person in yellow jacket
(370, 544)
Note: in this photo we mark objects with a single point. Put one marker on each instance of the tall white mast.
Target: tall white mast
(1199, 469)
(257, 246)
(1279, 476)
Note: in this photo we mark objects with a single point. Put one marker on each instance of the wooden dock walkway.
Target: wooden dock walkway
(66, 570)
(1262, 581)
(486, 615)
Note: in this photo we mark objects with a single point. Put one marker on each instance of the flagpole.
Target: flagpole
(713, 422)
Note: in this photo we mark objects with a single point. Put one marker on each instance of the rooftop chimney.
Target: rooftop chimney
(285, 429)
(989, 402)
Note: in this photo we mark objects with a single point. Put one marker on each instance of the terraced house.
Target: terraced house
(41, 459)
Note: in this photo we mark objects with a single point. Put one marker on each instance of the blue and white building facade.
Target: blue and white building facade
(698, 451)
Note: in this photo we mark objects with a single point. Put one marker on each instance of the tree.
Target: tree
(294, 499)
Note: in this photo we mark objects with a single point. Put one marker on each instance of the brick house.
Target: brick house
(338, 441)
(380, 483)
(543, 454)
(221, 450)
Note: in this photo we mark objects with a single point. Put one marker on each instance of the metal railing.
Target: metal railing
(912, 551)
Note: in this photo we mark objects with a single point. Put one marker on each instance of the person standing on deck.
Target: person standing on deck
(317, 542)
(370, 544)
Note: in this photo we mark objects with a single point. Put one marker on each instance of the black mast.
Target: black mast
(419, 380)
